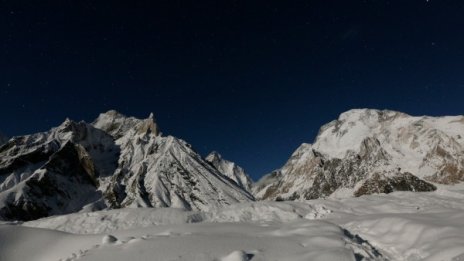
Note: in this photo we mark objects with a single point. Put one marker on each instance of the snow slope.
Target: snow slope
(299, 240)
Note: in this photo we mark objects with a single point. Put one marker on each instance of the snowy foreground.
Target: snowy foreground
(398, 226)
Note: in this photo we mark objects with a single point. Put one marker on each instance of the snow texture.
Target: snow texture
(396, 226)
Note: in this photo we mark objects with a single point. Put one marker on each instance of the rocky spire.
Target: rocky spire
(117, 124)
(149, 126)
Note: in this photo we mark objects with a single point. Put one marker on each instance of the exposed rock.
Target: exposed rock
(62, 185)
(109, 239)
(379, 183)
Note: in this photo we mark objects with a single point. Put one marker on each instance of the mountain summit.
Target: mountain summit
(230, 170)
(117, 125)
(369, 151)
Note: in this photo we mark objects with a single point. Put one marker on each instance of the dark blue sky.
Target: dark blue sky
(250, 79)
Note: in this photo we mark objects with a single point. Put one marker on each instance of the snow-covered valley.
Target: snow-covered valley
(396, 226)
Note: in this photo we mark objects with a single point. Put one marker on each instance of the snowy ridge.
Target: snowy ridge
(230, 170)
(116, 162)
(366, 145)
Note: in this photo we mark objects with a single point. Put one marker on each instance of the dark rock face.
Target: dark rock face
(450, 166)
(271, 179)
(38, 155)
(448, 174)
(345, 173)
(62, 185)
(400, 182)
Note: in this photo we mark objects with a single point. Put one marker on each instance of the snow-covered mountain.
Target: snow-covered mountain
(163, 171)
(115, 162)
(368, 151)
(230, 170)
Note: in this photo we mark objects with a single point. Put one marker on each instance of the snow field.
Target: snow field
(398, 226)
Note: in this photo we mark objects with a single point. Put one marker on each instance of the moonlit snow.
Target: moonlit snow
(396, 226)
(160, 200)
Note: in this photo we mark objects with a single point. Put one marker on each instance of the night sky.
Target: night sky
(250, 79)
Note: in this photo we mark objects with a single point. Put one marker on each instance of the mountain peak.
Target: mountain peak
(213, 156)
(67, 125)
(114, 113)
(230, 170)
(117, 124)
(148, 125)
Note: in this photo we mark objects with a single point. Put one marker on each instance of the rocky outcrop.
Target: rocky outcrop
(380, 183)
